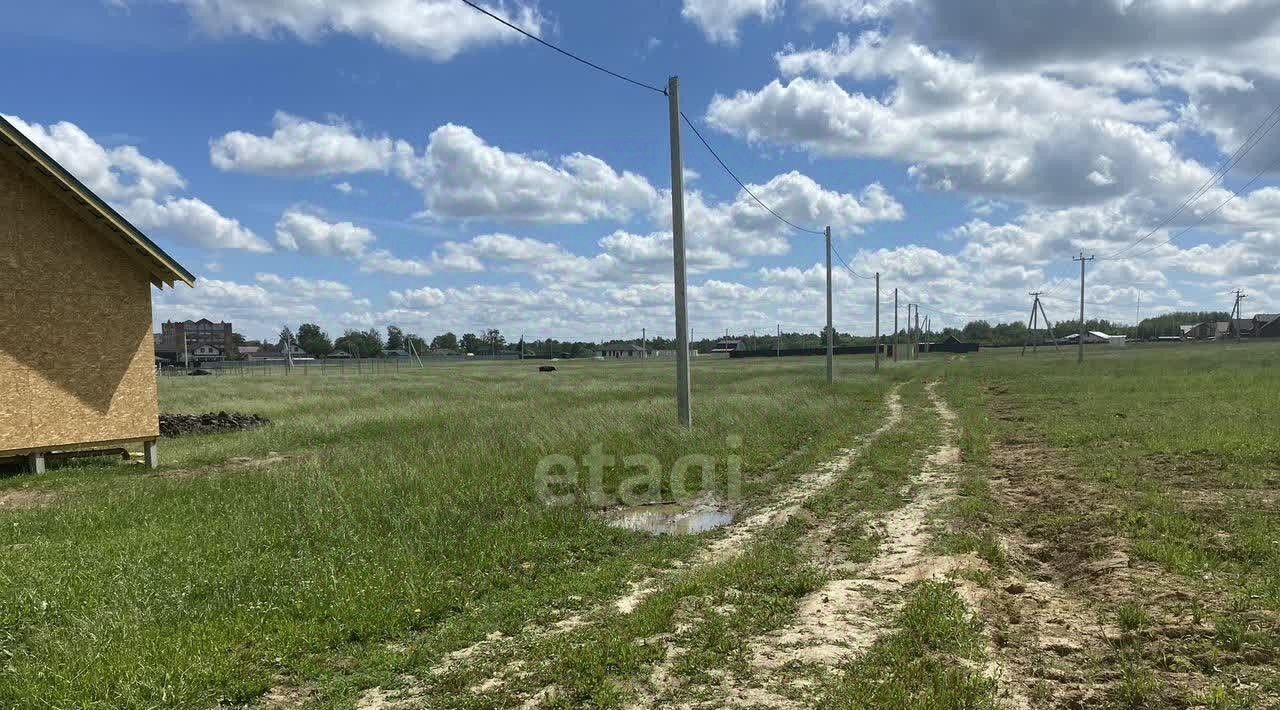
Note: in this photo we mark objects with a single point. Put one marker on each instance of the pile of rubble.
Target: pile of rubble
(209, 423)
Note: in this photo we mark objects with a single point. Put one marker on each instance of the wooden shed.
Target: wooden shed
(77, 361)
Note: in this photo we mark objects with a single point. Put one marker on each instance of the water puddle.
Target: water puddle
(670, 518)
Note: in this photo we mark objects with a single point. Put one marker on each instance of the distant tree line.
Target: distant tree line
(313, 340)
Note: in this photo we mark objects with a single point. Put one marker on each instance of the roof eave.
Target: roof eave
(162, 267)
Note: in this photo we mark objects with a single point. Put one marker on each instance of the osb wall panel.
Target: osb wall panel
(76, 351)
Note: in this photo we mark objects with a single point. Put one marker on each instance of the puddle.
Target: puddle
(670, 518)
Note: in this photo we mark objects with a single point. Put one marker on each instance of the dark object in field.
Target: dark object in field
(195, 373)
(546, 368)
(210, 423)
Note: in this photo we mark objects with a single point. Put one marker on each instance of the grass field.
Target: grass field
(980, 531)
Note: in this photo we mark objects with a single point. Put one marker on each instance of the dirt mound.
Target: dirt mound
(209, 423)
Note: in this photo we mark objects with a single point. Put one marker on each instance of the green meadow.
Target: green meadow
(384, 523)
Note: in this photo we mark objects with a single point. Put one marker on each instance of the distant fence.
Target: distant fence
(308, 367)
(855, 350)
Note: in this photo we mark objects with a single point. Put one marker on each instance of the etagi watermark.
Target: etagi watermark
(560, 480)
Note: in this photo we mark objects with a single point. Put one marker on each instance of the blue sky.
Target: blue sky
(412, 162)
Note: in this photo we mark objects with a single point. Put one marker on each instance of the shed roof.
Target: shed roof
(162, 268)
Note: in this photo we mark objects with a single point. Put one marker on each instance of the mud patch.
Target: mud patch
(671, 518)
(1077, 622)
(209, 423)
(235, 464)
(24, 499)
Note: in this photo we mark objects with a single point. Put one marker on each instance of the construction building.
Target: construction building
(77, 361)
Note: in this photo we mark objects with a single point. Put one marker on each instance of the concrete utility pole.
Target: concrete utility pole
(916, 349)
(1082, 259)
(778, 345)
(644, 342)
(877, 321)
(1237, 313)
(677, 244)
(1033, 326)
(831, 340)
(895, 323)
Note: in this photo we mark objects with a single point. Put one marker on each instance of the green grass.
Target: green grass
(411, 505)
(404, 523)
(1169, 450)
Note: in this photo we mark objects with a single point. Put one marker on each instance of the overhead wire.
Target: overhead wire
(850, 268)
(566, 53)
(1228, 163)
(1234, 194)
(743, 185)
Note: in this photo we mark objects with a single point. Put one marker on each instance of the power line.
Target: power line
(850, 268)
(1234, 194)
(568, 54)
(1228, 163)
(743, 185)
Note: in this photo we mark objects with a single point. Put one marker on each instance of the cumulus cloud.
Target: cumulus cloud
(195, 222)
(309, 234)
(299, 147)
(425, 297)
(141, 188)
(719, 19)
(436, 29)
(116, 175)
(467, 178)
(310, 289)
(1017, 135)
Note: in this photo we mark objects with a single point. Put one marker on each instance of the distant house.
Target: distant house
(621, 350)
(1241, 326)
(1093, 337)
(279, 353)
(207, 353)
(1266, 325)
(1208, 330)
(395, 354)
(248, 351)
(728, 346)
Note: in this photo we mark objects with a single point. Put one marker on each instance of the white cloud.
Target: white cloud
(309, 234)
(435, 29)
(425, 297)
(141, 188)
(194, 222)
(309, 289)
(467, 177)
(117, 175)
(1022, 135)
(299, 147)
(384, 262)
(719, 19)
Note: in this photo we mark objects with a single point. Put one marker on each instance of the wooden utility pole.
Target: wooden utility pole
(677, 245)
(831, 340)
(778, 344)
(877, 321)
(644, 342)
(1082, 259)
